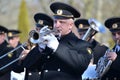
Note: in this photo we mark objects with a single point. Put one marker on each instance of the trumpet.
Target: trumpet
(36, 36)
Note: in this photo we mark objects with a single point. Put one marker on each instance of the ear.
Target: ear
(71, 25)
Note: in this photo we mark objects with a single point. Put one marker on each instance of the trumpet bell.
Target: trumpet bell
(34, 36)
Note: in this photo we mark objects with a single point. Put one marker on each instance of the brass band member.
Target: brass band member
(14, 41)
(41, 20)
(114, 72)
(60, 59)
(99, 50)
(4, 48)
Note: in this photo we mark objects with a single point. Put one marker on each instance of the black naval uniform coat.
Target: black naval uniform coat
(68, 62)
(16, 67)
(114, 71)
(5, 73)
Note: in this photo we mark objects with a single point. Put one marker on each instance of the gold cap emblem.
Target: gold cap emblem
(59, 12)
(80, 26)
(10, 34)
(114, 26)
(40, 22)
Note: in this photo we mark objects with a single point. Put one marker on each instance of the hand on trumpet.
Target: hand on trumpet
(50, 40)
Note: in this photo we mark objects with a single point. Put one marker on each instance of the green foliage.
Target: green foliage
(23, 22)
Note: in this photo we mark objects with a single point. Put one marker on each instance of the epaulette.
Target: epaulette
(89, 50)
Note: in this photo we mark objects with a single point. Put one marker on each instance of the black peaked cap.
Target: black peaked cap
(3, 29)
(63, 10)
(82, 24)
(113, 24)
(43, 19)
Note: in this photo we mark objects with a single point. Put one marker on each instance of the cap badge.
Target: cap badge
(80, 26)
(40, 21)
(10, 34)
(59, 12)
(114, 26)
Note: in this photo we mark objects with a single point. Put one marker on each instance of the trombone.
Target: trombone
(3, 67)
(10, 52)
(21, 46)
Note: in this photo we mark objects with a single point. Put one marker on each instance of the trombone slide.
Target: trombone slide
(3, 67)
(21, 46)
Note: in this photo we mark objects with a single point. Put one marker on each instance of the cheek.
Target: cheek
(10, 41)
(65, 29)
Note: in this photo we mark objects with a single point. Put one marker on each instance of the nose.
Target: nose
(116, 36)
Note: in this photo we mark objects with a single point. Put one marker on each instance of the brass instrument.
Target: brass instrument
(95, 26)
(21, 46)
(36, 37)
(12, 52)
(104, 64)
(15, 60)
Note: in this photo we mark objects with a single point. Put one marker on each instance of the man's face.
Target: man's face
(64, 26)
(14, 41)
(116, 37)
(2, 37)
(37, 29)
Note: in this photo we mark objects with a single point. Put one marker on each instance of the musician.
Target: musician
(82, 26)
(99, 50)
(4, 48)
(14, 41)
(113, 24)
(65, 58)
(41, 20)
